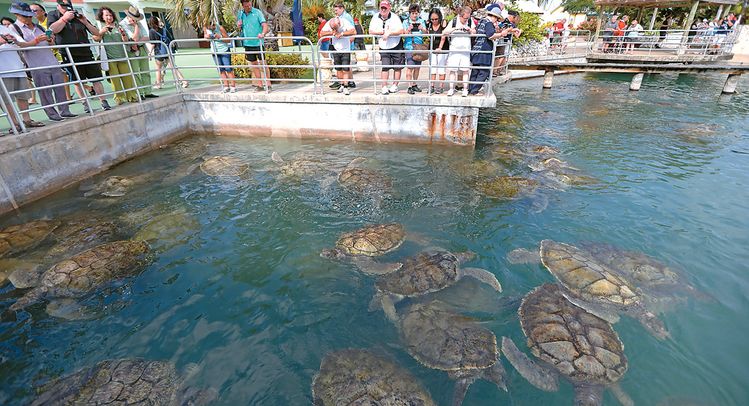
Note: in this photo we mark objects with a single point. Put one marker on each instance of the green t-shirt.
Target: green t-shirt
(113, 51)
(252, 25)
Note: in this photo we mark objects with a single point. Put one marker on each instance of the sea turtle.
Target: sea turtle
(571, 342)
(440, 339)
(80, 234)
(560, 172)
(224, 166)
(86, 271)
(361, 245)
(506, 187)
(363, 180)
(593, 285)
(544, 150)
(22, 273)
(131, 381)
(166, 231)
(20, 237)
(112, 186)
(427, 272)
(359, 377)
(301, 165)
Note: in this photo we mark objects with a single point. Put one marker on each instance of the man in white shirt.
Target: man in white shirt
(15, 81)
(341, 29)
(459, 58)
(389, 27)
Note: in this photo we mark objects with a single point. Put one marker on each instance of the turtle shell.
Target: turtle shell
(77, 236)
(303, 164)
(584, 276)
(372, 240)
(578, 344)
(224, 166)
(83, 272)
(20, 237)
(637, 267)
(424, 273)
(169, 230)
(121, 381)
(363, 179)
(506, 187)
(441, 339)
(359, 377)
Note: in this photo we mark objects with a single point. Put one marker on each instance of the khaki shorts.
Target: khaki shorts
(15, 84)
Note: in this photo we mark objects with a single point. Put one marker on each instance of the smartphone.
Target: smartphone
(415, 26)
(48, 33)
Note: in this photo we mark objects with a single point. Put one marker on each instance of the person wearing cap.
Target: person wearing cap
(481, 57)
(137, 31)
(388, 26)
(72, 28)
(341, 29)
(44, 58)
(252, 25)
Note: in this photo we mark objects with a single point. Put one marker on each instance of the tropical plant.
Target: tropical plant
(274, 59)
(192, 13)
(578, 6)
(530, 24)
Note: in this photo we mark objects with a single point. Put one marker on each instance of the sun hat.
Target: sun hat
(22, 9)
(134, 13)
(494, 11)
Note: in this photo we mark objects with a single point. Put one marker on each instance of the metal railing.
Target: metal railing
(697, 42)
(571, 44)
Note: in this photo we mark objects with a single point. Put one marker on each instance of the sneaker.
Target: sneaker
(232, 90)
(56, 118)
(432, 90)
(465, 92)
(393, 89)
(157, 86)
(105, 105)
(451, 92)
(68, 115)
(411, 90)
(385, 90)
(352, 85)
(335, 85)
(440, 90)
(458, 87)
(225, 90)
(346, 91)
(150, 96)
(33, 124)
(185, 84)
(416, 88)
(340, 89)
(86, 109)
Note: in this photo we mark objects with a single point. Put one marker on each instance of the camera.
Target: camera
(75, 13)
(415, 26)
(9, 39)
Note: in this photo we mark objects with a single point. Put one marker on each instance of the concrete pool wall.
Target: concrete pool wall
(41, 162)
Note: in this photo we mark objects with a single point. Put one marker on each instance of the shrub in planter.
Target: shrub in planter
(274, 59)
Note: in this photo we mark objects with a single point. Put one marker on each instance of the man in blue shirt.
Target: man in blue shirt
(251, 24)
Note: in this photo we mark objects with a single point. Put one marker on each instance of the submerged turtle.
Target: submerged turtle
(84, 272)
(427, 272)
(570, 342)
(544, 150)
(22, 273)
(78, 235)
(301, 165)
(112, 186)
(447, 341)
(359, 377)
(166, 231)
(132, 381)
(224, 166)
(506, 187)
(20, 237)
(561, 172)
(363, 180)
(371, 241)
(593, 285)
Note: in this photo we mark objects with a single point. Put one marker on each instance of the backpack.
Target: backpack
(166, 39)
(470, 24)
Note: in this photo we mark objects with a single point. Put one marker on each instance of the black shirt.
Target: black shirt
(74, 32)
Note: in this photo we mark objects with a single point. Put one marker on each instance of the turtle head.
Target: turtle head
(333, 253)
(589, 395)
(655, 326)
(465, 256)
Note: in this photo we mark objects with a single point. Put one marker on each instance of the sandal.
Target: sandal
(33, 124)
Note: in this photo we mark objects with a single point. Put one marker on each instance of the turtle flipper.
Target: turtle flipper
(461, 388)
(651, 322)
(387, 302)
(276, 158)
(29, 298)
(483, 276)
(371, 267)
(68, 309)
(620, 395)
(524, 256)
(540, 377)
(597, 310)
(497, 375)
(588, 395)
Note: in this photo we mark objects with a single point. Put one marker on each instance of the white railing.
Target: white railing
(703, 42)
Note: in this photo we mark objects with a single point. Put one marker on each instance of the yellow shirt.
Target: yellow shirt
(43, 23)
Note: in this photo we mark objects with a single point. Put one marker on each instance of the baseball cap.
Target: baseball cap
(385, 3)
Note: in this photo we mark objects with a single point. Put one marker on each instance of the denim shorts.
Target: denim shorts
(224, 62)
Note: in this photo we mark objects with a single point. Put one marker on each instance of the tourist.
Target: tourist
(72, 28)
(119, 70)
(161, 56)
(6, 21)
(414, 25)
(557, 29)
(40, 13)
(137, 31)
(633, 35)
(510, 28)
(251, 24)
(341, 29)
(459, 58)
(325, 42)
(339, 9)
(42, 58)
(16, 81)
(619, 30)
(439, 46)
(481, 55)
(221, 48)
(608, 33)
(388, 27)
(359, 40)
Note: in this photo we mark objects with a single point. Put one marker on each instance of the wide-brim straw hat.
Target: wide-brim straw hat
(494, 11)
(134, 13)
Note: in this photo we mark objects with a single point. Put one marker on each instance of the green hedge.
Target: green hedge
(274, 59)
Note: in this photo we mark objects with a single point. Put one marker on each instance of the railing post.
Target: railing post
(173, 62)
(685, 38)
(314, 49)
(78, 82)
(11, 108)
(132, 75)
(429, 64)
(374, 66)
(262, 67)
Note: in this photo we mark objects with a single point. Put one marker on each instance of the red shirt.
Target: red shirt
(319, 30)
(620, 27)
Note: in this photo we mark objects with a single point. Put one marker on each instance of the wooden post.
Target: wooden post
(549, 78)
(690, 20)
(636, 81)
(639, 14)
(652, 19)
(598, 27)
(731, 82)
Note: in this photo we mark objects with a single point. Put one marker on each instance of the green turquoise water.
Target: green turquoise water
(246, 296)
